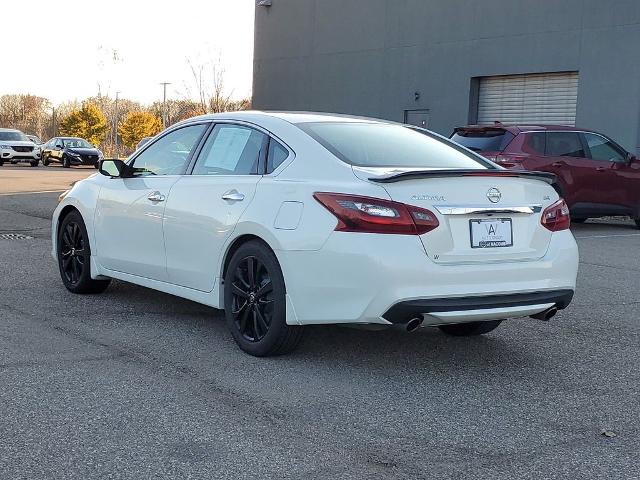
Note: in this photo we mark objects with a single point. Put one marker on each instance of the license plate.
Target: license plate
(491, 233)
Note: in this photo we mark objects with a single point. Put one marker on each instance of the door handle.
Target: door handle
(156, 197)
(233, 196)
(556, 164)
(600, 169)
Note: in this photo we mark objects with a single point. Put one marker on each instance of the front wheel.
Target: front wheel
(45, 161)
(470, 329)
(74, 257)
(637, 219)
(66, 163)
(254, 302)
(34, 163)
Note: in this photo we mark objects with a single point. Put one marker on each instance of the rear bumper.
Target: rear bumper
(368, 278)
(455, 307)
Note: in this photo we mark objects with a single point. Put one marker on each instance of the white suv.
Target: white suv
(16, 147)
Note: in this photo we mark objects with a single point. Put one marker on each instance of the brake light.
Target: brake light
(375, 215)
(556, 216)
(509, 160)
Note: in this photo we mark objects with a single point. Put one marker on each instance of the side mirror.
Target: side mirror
(631, 158)
(113, 168)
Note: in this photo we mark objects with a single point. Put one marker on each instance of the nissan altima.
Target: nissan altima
(290, 219)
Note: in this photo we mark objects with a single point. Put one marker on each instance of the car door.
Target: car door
(58, 149)
(568, 160)
(617, 178)
(130, 211)
(204, 207)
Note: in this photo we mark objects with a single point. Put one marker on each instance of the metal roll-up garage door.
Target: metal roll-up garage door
(549, 98)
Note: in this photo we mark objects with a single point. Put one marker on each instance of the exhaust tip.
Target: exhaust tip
(546, 315)
(414, 323)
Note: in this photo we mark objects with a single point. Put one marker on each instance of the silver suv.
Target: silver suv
(16, 147)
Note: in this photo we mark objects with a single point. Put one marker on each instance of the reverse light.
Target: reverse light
(556, 216)
(376, 215)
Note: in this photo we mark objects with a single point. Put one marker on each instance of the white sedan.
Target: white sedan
(290, 219)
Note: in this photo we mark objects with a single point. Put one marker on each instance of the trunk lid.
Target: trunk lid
(476, 208)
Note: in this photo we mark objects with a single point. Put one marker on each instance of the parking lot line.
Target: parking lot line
(609, 236)
(30, 193)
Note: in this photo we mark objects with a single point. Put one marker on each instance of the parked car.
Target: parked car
(290, 219)
(16, 147)
(596, 176)
(70, 151)
(35, 139)
(142, 142)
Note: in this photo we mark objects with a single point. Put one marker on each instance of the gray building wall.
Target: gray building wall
(369, 57)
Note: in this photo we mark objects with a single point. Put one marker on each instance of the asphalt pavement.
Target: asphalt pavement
(137, 384)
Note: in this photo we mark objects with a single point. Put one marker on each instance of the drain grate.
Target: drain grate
(14, 236)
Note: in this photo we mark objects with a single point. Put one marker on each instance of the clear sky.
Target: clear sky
(65, 48)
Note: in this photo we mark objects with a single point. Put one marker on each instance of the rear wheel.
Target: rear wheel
(74, 257)
(470, 329)
(254, 302)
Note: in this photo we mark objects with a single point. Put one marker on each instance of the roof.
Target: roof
(291, 117)
(9, 130)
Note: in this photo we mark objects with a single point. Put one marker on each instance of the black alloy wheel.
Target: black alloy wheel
(255, 302)
(74, 256)
(252, 293)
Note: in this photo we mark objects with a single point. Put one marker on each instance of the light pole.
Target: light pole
(115, 125)
(164, 103)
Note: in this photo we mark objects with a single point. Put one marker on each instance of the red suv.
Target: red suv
(596, 176)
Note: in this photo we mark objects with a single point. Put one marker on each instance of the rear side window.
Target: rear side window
(387, 145)
(535, 143)
(483, 140)
(277, 154)
(564, 144)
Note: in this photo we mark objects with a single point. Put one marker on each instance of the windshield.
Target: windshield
(388, 145)
(13, 136)
(76, 143)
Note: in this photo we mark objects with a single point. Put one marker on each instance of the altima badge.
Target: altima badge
(494, 195)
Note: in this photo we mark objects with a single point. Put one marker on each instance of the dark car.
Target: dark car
(596, 176)
(70, 151)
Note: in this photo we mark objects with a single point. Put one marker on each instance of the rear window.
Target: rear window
(483, 140)
(388, 145)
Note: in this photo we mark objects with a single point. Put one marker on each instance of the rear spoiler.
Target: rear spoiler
(546, 177)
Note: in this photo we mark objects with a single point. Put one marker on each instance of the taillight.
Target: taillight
(509, 160)
(375, 215)
(556, 216)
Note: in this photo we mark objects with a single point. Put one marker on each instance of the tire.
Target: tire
(255, 305)
(45, 161)
(96, 165)
(1, 163)
(637, 219)
(74, 254)
(66, 163)
(470, 329)
(34, 163)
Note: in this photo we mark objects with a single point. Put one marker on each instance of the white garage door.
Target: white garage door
(549, 98)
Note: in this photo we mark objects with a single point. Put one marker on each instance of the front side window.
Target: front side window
(564, 144)
(170, 153)
(387, 145)
(230, 150)
(603, 149)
